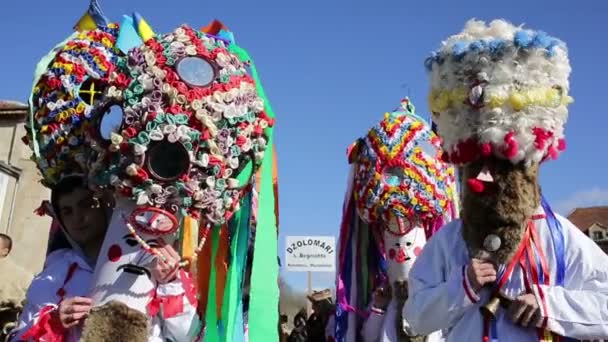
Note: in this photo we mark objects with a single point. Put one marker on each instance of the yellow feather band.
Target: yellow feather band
(442, 100)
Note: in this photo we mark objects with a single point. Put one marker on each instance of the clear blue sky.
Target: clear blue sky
(331, 68)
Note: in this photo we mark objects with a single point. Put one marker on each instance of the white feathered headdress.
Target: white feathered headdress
(500, 90)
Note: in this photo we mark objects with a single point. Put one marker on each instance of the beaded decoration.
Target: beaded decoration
(399, 172)
(192, 100)
(67, 100)
(500, 90)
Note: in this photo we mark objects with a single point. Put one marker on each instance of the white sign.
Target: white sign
(310, 253)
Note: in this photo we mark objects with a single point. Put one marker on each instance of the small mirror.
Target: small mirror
(110, 122)
(168, 161)
(429, 149)
(195, 71)
(393, 176)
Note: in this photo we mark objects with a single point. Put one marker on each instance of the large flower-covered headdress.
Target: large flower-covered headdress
(500, 90)
(399, 172)
(68, 99)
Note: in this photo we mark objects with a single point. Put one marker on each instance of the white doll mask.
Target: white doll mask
(401, 251)
(123, 271)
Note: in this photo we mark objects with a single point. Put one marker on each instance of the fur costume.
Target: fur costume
(400, 193)
(178, 126)
(499, 96)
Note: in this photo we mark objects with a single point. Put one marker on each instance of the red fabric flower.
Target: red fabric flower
(122, 81)
(130, 132)
(175, 109)
(181, 87)
(241, 140)
(141, 176)
(53, 83)
(161, 60)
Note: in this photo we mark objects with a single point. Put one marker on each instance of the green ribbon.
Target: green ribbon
(233, 294)
(211, 329)
(264, 295)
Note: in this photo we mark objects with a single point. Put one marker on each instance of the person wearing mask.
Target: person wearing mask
(57, 299)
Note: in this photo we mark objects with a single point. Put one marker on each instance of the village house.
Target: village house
(593, 221)
(20, 191)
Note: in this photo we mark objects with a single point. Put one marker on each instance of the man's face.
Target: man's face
(4, 249)
(83, 216)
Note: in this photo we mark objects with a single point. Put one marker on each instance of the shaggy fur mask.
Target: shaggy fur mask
(502, 209)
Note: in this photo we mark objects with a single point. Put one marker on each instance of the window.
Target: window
(598, 235)
(3, 191)
(9, 182)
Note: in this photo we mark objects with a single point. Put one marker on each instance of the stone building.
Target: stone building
(20, 191)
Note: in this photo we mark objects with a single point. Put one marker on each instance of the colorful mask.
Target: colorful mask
(401, 193)
(398, 172)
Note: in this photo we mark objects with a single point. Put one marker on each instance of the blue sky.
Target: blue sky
(331, 69)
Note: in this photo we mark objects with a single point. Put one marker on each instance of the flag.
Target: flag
(145, 31)
(92, 18)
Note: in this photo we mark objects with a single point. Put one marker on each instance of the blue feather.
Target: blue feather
(542, 40)
(459, 49)
(522, 39)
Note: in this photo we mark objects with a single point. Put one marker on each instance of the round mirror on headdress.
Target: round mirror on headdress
(110, 122)
(195, 71)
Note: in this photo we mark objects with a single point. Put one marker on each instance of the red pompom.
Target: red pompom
(475, 185)
(486, 149)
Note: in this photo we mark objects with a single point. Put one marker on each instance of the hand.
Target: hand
(525, 311)
(72, 311)
(400, 288)
(480, 273)
(381, 297)
(165, 271)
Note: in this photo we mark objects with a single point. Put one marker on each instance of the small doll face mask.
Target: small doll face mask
(402, 249)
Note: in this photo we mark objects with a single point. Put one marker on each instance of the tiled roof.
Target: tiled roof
(13, 110)
(584, 218)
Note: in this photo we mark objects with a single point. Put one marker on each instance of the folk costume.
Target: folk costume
(499, 96)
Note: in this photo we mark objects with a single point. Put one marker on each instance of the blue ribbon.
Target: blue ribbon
(557, 235)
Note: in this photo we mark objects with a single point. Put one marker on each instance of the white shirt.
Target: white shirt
(43, 293)
(438, 298)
